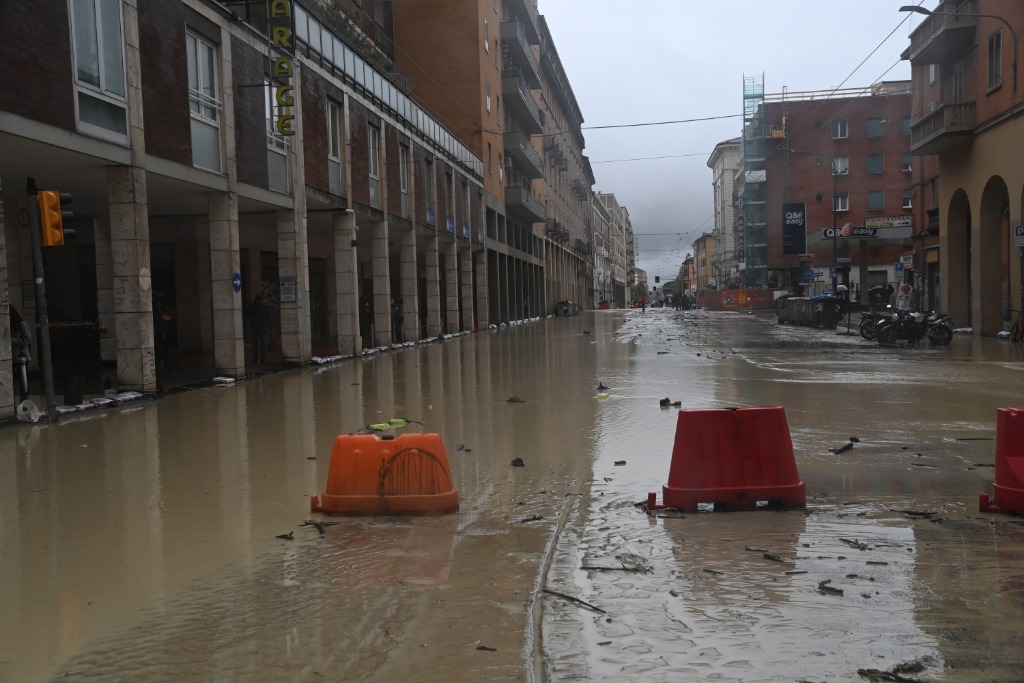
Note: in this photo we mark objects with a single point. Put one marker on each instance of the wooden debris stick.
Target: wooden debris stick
(572, 599)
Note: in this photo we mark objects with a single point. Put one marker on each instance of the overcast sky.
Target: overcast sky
(667, 60)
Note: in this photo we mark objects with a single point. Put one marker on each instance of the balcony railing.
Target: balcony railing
(513, 36)
(521, 202)
(939, 129)
(526, 14)
(944, 35)
(524, 155)
(521, 102)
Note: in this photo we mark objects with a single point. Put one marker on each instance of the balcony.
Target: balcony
(513, 36)
(519, 100)
(946, 126)
(522, 10)
(521, 203)
(943, 38)
(527, 160)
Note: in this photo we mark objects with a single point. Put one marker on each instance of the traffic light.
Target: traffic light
(52, 216)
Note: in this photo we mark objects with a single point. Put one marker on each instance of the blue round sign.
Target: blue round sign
(236, 282)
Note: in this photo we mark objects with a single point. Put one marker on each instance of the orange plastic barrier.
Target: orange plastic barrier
(733, 459)
(387, 475)
(1008, 488)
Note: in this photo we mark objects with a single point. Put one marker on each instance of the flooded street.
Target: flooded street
(141, 542)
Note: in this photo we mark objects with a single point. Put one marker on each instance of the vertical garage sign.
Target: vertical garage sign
(282, 53)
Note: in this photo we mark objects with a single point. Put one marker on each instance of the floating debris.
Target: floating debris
(518, 462)
(824, 587)
(602, 387)
(532, 518)
(853, 543)
(842, 449)
(288, 536)
(484, 648)
(619, 463)
(514, 399)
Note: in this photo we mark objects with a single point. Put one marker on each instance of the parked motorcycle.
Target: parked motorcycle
(869, 320)
(915, 326)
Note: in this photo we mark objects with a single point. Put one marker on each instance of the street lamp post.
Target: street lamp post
(835, 191)
(1013, 35)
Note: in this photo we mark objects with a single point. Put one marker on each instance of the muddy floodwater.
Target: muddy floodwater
(142, 542)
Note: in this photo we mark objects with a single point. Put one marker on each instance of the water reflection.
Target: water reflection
(142, 536)
(140, 541)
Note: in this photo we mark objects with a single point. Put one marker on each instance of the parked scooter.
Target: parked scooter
(915, 326)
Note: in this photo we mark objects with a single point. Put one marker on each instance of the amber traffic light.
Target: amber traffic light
(51, 216)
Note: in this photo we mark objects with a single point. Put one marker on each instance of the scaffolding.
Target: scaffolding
(753, 213)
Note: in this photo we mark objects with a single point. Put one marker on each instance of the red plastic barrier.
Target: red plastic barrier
(733, 459)
(1008, 488)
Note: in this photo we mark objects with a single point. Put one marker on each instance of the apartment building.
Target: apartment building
(704, 277)
(621, 247)
(725, 162)
(830, 189)
(215, 153)
(509, 100)
(966, 110)
(603, 249)
(568, 180)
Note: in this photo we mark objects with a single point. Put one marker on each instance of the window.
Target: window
(428, 191)
(876, 200)
(839, 129)
(487, 95)
(449, 201)
(98, 42)
(995, 59)
(487, 38)
(905, 125)
(875, 126)
(334, 147)
(875, 163)
(958, 82)
(841, 201)
(373, 162)
(403, 178)
(932, 73)
(908, 199)
(501, 170)
(908, 162)
(203, 103)
(842, 165)
(490, 159)
(933, 193)
(277, 144)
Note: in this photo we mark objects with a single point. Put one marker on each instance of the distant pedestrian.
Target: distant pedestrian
(163, 316)
(643, 303)
(396, 321)
(258, 314)
(366, 321)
